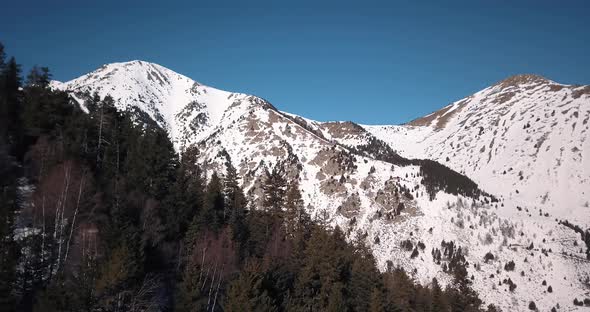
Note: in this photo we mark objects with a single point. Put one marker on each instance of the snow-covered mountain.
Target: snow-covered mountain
(402, 208)
(524, 138)
(187, 109)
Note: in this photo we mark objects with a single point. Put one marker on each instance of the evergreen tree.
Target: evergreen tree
(322, 267)
(235, 200)
(39, 77)
(247, 293)
(297, 221)
(2, 58)
(399, 288)
(54, 298)
(2, 82)
(186, 196)
(377, 303)
(463, 297)
(48, 112)
(274, 191)
(438, 300)
(8, 247)
(336, 301)
(9, 110)
(295, 215)
(214, 206)
(235, 205)
(259, 225)
(11, 130)
(188, 295)
(120, 273)
(363, 274)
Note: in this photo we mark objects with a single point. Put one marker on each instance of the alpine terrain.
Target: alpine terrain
(497, 183)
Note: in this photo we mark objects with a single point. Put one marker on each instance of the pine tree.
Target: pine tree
(11, 129)
(399, 288)
(235, 206)
(247, 293)
(53, 299)
(274, 191)
(2, 81)
(119, 274)
(9, 251)
(8, 247)
(322, 267)
(377, 303)
(297, 221)
(336, 301)
(105, 118)
(214, 206)
(39, 77)
(189, 296)
(295, 217)
(2, 58)
(438, 300)
(363, 275)
(186, 197)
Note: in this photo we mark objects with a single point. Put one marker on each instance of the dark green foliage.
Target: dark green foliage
(186, 196)
(407, 245)
(532, 306)
(509, 266)
(214, 213)
(275, 190)
(415, 253)
(247, 292)
(188, 291)
(11, 108)
(39, 77)
(9, 254)
(489, 256)
(510, 283)
(235, 205)
(10, 133)
(435, 175)
(439, 302)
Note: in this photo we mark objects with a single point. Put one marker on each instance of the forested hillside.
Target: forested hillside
(99, 213)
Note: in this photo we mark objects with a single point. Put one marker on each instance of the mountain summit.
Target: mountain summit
(187, 109)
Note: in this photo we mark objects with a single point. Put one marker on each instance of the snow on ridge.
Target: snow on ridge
(159, 92)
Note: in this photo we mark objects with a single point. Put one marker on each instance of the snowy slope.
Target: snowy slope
(351, 179)
(525, 138)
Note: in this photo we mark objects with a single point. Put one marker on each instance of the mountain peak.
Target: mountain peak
(521, 79)
(131, 64)
(137, 69)
(187, 109)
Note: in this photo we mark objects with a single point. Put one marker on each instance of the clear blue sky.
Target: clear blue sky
(366, 61)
